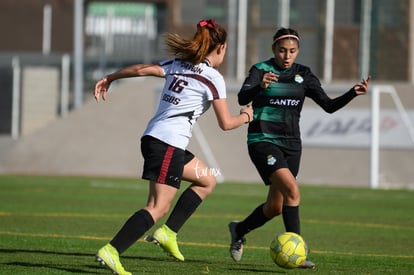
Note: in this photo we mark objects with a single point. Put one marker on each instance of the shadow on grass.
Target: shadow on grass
(35, 261)
(50, 266)
(64, 264)
(2, 250)
(245, 270)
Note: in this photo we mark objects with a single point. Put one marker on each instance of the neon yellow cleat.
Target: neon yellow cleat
(108, 256)
(167, 239)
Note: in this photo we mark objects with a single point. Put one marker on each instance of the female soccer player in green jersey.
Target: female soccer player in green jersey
(277, 89)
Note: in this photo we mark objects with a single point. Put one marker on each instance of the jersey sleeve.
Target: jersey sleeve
(251, 86)
(167, 65)
(315, 91)
(217, 88)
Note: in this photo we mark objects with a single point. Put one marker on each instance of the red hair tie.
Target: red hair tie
(209, 23)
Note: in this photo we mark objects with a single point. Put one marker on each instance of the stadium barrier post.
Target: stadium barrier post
(374, 167)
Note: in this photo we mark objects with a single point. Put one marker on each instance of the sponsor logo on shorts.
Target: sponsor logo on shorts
(271, 160)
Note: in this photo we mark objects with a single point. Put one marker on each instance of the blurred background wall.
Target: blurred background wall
(115, 31)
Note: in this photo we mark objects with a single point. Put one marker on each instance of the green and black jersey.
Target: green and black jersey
(277, 108)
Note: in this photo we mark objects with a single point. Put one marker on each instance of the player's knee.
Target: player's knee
(205, 185)
(292, 195)
(210, 184)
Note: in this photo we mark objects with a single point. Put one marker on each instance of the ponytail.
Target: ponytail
(208, 36)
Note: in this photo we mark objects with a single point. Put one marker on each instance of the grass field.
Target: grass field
(54, 225)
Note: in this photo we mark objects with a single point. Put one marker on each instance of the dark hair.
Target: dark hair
(208, 36)
(285, 33)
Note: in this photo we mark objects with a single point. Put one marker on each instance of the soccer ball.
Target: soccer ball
(288, 250)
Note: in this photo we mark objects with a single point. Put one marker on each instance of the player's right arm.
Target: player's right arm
(102, 86)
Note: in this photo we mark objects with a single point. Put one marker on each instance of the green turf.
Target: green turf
(54, 225)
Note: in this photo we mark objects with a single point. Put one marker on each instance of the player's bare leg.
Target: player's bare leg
(202, 185)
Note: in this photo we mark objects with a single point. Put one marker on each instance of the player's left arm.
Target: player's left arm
(361, 88)
(226, 120)
(102, 86)
(331, 105)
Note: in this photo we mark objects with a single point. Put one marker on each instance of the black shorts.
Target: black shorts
(163, 163)
(268, 157)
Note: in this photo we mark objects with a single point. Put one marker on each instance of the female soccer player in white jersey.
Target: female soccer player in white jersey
(192, 84)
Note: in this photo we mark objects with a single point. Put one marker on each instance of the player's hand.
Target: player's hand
(101, 87)
(361, 88)
(268, 78)
(249, 111)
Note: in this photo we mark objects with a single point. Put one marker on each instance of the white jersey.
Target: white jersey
(187, 94)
